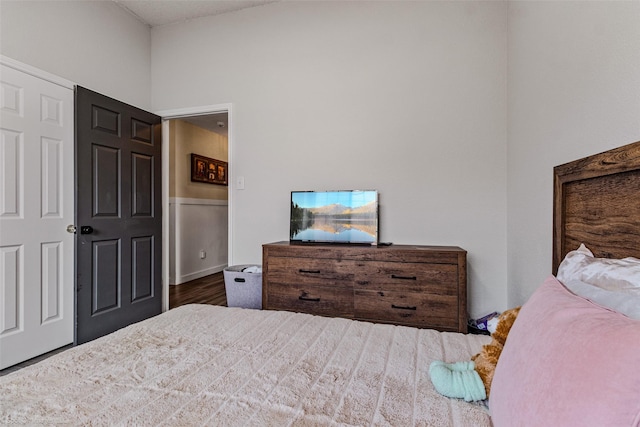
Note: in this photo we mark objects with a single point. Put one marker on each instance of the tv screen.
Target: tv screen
(346, 216)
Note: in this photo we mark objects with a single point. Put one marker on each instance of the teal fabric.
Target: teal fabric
(459, 380)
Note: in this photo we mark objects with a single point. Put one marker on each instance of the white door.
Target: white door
(36, 205)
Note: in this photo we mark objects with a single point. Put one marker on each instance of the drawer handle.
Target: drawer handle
(239, 279)
(309, 271)
(301, 298)
(395, 276)
(400, 307)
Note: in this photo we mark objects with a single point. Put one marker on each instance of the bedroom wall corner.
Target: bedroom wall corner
(573, 91)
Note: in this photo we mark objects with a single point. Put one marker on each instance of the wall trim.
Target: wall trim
(203, 110)
(193, 201)
(36, 72)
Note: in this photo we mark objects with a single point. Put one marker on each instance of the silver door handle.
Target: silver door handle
(71, 229)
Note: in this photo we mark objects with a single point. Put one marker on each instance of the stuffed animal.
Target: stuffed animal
(487, 359)
(471, 380)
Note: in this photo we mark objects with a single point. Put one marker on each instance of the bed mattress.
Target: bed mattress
(211, 365)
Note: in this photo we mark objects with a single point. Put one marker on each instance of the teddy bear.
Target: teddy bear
(471, 380)
(486, 361)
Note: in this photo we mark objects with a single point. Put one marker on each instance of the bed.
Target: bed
(211, 365)
(200, 364)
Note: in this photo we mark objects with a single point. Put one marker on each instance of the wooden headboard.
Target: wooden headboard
(596, 201)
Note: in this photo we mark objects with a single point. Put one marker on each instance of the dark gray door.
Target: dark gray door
(118, 215)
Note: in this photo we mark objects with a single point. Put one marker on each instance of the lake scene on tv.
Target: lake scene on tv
(334, 216)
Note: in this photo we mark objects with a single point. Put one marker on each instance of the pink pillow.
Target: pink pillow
(567, 362)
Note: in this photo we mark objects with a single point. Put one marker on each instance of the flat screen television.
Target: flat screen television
(344, 216)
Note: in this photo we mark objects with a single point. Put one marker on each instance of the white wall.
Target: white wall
(574, 90)
(197, 225)
(91, 43)
(408, 98)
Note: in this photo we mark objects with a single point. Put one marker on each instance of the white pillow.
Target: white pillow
(619, 275)
(623, 303)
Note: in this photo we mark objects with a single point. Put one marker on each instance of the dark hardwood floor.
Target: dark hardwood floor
(206, 290)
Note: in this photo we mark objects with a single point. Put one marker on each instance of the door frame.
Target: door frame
(178, 114)
(36, 72)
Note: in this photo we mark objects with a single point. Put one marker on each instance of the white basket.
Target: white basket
(243, 289)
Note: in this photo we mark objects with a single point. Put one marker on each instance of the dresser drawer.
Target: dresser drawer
(407, 308)
(441, 279)
(423, 286)
(321, 300)
(310, 271)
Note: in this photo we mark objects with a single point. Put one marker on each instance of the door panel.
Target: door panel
(106, 284)
(36, 205)
(119, 260)
(142, 185)
(106, 173)
(142, 253)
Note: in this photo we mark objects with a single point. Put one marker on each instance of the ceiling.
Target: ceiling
(217, 123)
(161, 12)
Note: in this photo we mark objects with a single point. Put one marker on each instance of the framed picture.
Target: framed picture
(211, 171)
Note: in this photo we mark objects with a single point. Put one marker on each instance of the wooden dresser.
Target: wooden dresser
(422, 286)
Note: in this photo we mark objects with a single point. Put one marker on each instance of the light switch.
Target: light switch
(240, 183)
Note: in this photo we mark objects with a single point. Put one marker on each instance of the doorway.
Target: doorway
(197, 239)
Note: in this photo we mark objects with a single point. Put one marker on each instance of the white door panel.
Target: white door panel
(36, 205)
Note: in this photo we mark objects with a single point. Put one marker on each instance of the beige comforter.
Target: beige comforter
(209, 365)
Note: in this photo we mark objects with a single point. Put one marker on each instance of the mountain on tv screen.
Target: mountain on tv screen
(346, 216)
